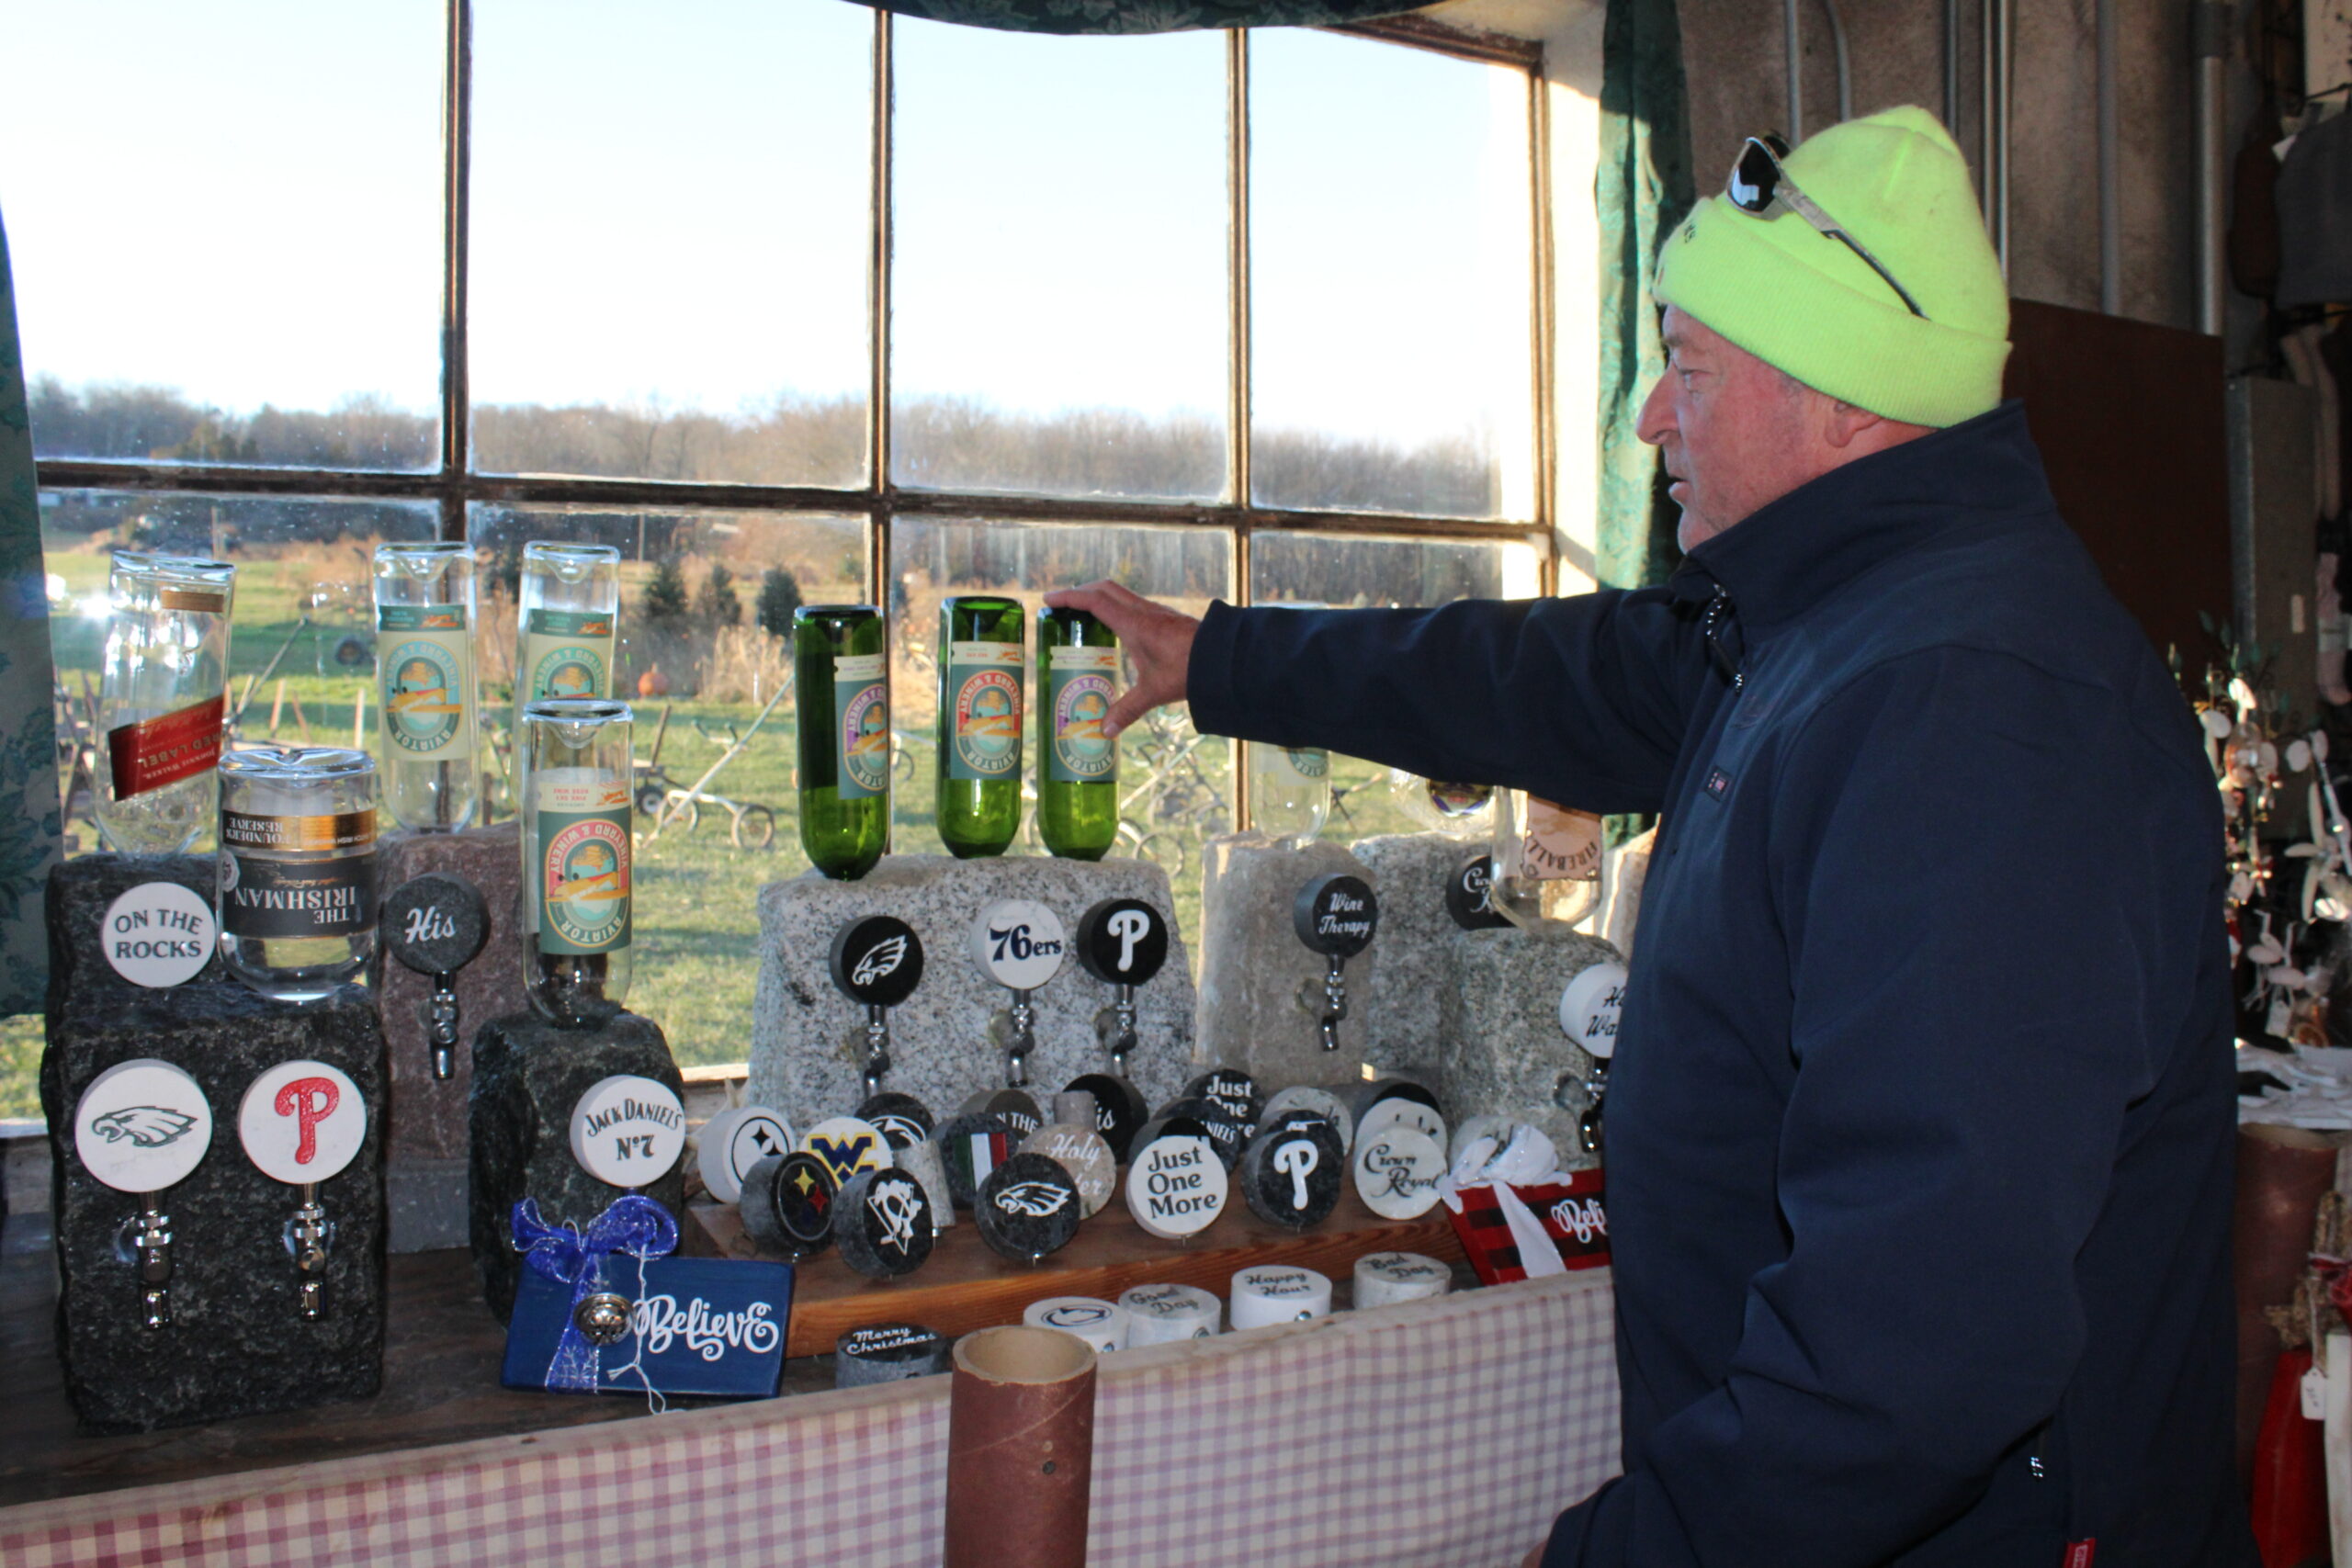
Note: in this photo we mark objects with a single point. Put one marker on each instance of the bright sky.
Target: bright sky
(243, 199)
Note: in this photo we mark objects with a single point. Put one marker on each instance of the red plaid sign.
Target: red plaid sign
(1571, 1213)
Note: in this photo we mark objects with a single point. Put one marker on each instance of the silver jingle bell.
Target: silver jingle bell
(603, 1318)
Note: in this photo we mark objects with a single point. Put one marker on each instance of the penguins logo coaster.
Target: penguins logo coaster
(1291, 1173)
(882, 1224)
(847, 1145)
(788, 1204)
(901, 1119)
(1027, 1208)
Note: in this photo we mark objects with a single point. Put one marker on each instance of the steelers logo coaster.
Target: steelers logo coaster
(788, 1204)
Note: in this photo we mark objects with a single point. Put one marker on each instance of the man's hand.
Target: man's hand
(1159, 639)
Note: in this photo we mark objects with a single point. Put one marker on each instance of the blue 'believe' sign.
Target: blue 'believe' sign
(700, 1325)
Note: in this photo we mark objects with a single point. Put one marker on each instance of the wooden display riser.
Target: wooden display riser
(964, 1286)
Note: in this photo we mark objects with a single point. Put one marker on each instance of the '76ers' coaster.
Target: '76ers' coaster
(882, 1224)
(1027, 1208)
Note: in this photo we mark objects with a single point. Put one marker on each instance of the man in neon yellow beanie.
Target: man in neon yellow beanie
(1921, 1118)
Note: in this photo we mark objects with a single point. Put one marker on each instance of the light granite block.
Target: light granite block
(1400, 1005)
(1253, 965)
(1504, 1053)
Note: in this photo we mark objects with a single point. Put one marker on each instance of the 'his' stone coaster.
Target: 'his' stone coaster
(882, 1224)
(903, 1119)
(1396, 1173)
(922, 1161)
(1119, 1109)
(971, 1145)
(788, 1204)
(1225, 1134)
(1176, 1185)
(1103, 1324)
(734, 1141)
(1080, 1151)
(1313, 1100)
(436, 924)
(1160, 1314)
(888, 1352)
(847, 1145)
(1292, 1172)
(1279, 1292)
(1384, 1279)
(1027, 1208)
(1230, 1090)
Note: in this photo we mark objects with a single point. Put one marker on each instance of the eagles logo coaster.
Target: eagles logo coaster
(1027, 1208)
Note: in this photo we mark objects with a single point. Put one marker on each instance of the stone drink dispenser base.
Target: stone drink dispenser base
(237, 1344)
(527, 1075)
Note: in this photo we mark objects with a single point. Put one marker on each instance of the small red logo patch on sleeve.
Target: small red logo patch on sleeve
(2080, 1552)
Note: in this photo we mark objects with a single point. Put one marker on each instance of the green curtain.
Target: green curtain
(29, 821)
(1139, 16)
(1644, 190)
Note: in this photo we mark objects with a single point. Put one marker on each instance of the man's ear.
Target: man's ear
(1844, 423)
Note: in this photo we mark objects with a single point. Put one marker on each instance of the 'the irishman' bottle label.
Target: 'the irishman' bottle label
(862, 725)
(265, 896)
(984, 687)
(425, 659)
(583, 867)
(1078, 704)
(567, 653)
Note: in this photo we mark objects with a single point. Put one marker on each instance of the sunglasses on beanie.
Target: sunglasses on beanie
(1759, 185)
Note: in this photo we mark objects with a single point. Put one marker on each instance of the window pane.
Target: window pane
(1320, 569)
(670, 228)
(1058, 298)
(302, 648)
(1175, 787)
(1390, 268)
(225, 222)
(697, 920)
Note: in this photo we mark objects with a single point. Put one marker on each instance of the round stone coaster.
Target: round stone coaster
(628, 1130)
(1017, 943)
(1316, 1099)
(1402, 1110)
(847, 1145)
(971, 1145)
(1384, 1279)
(302, 1121)
(1591, 1007)
(435, 923)
(1176, 1185)
(1231, 1090)
(787, 1203)
(1074, 1107)
(900, 1118)
(159, 934)
(734, 1141)
(1486, 1123)
(888, 1352)
(1336, 915)
(1122, 942)
(1079, 1150)
(1101, 1324)
(1279, 1292)
(1396, 1173)
(1027, 1208)
(922, 1161)
(882, 1224)
(1225, 1134)
(1019, 1108)
(1291, 1173)
(876, 962)
(1362, 1098)
(1469, 895)
(1119, 1109)
(142, 1125)
(1158, 1315)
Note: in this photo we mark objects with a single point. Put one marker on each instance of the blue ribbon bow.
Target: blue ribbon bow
(632, 1224)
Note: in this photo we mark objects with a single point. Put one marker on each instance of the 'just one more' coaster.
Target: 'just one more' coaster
(882, 1224)
(1292, 1173)
(1231, 1090)
(888, 1352)
(900, 1118)
(787, 1203)
(1176, 1185)
(1027, 1208)
(970, 1146)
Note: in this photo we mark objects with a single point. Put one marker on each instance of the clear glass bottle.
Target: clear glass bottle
(1077, 777)
(841, 674)
(1290, 786)
(577, 908)
(425, 665)
(567, 621)
(983, 679)
(163, 700)
(1548, 863)
(1457, 810)
(296, 895)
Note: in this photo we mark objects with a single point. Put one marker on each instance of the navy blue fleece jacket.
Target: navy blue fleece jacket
(1920, 1123)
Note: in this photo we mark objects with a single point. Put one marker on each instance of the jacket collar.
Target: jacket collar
(1784, 558)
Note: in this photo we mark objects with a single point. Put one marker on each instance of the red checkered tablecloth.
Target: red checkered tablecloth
(1421, 1436)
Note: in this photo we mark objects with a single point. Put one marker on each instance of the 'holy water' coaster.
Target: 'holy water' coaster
(1396, 1173)
(1101, 1324)
(787, 1204)
(1080, 1151)
(1384, 1279)
(1176, 1185)
(971, 1145)
(1160, 1314)
(1028, 1207)
(882, 1224)
(888, 1352)
(1279, 1292)
(1291, 1173)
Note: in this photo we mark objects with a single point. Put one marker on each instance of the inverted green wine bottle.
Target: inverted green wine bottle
(1077, 784)
(982, 665)
(844, 680)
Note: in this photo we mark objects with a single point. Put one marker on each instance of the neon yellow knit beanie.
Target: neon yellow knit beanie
(1804, 303)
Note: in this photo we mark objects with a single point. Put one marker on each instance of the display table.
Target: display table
(1437, 1432)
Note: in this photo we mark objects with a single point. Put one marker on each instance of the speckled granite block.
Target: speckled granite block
(803, 1060)
(236, 1345)
(1400, 1006)
(1504, 1052)
(78, 895)
(527, 1075)
(1252, 964)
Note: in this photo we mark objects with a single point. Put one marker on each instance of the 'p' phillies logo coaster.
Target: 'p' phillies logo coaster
(302, 1121)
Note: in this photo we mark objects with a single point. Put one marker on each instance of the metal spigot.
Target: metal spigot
(154, 1242)
(1589, 1089)
(309, 1237)
(1116, 1027)
(877, 1047)
(1020, 1039)
(441, 1026)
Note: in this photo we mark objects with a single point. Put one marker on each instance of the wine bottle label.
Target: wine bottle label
(425, 660)
(1290, 765)
(163, 751)
(567, 653)
(861, 726)
(583, 867)
(262, 897)
(1079, 699)
(984, 710)
(1559, 845)
(299, 835)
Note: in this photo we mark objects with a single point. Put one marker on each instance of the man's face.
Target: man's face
(1736, 433)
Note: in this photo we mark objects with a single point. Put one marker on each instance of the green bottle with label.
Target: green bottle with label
(983, 671)
(1077, 777)
(842, 671)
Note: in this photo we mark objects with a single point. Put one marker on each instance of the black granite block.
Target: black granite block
(527, 1075)
(79, 892)
(237, 1344)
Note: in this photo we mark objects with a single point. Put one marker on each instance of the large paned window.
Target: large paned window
(793, 302)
